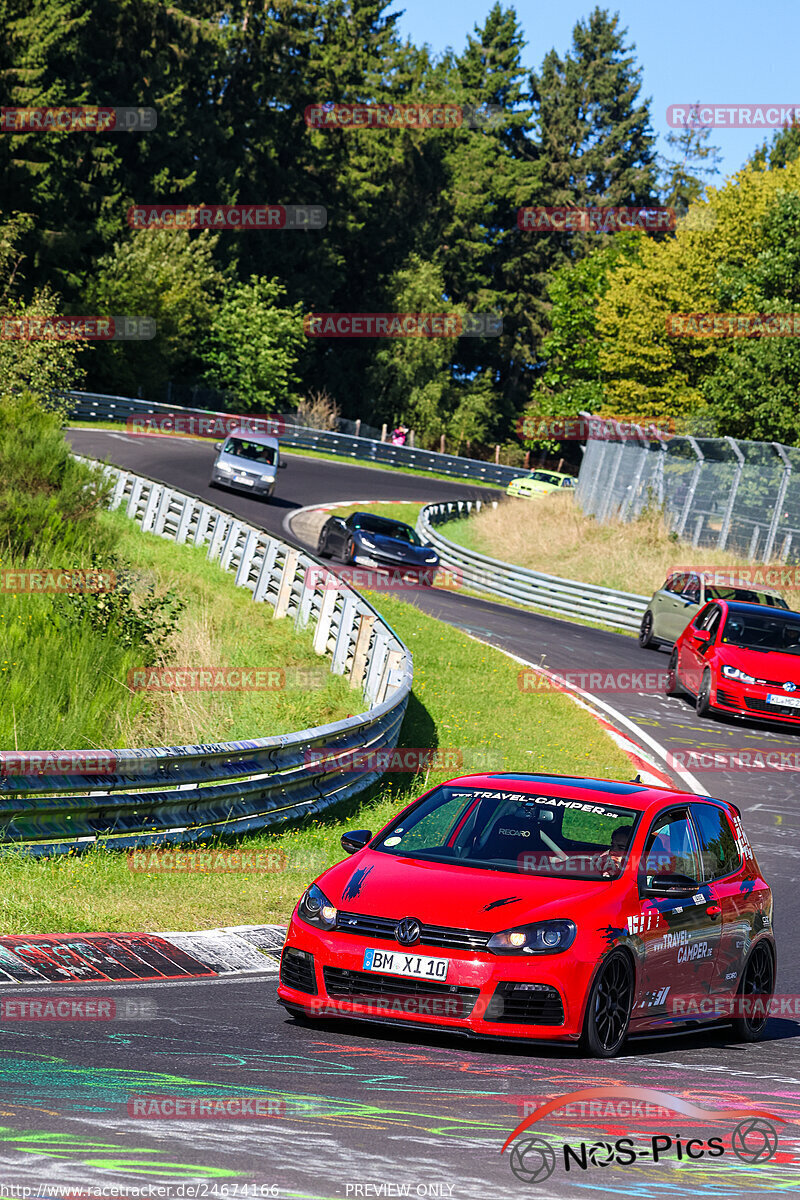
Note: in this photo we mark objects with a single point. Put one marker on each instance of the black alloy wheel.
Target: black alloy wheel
(608, 1012)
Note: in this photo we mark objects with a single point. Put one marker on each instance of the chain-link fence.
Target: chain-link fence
(719, 492)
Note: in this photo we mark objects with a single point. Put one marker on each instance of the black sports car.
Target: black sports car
(372, 541)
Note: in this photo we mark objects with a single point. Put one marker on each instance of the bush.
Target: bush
(48, 501)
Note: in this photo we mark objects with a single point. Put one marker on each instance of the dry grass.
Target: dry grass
(552, 535)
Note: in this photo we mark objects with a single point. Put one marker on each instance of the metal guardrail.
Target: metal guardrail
(174, 794)
(93, 407)
(569, 597)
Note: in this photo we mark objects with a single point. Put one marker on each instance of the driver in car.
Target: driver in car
(613, 857)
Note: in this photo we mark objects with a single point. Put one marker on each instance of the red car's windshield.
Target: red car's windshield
(514, 831)
(763, 631)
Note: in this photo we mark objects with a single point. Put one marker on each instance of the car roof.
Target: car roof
(263, 439)
(740, 606)
(633, 794)
(741, 587)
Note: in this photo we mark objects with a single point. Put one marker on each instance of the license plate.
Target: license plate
(782, 698)
(243, 479)
(397, 962)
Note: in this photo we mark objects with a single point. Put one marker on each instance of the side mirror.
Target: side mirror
(356, 839)
(701, 635)
(673, 886)
(217, 445)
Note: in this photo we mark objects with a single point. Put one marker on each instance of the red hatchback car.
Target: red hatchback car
(540, 906)
(742, 659)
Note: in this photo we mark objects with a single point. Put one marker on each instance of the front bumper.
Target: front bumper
(750, 700)
(485, 995)
(259, 486)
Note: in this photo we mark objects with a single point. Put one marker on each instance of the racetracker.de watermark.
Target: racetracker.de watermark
(754, 1007)
(729, 325)
(406, 760)
(732, 116)
(77, 329)
(618, 682)
(228, 216)
(755, 759)
(83, 118)
(397, 324)
(580, 429)
(748, 575)
(19, 764)
(384, 579)
(589, 219)
(213, 1108)
(207, 862)
(192, 678)
(203, 425)
(330, 115)
(77, 1008)
(56, 581)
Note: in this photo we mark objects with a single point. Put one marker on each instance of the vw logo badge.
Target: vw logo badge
(790, 687)
(407, 931)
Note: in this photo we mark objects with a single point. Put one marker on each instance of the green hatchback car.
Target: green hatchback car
(674, 605)
(539, 483)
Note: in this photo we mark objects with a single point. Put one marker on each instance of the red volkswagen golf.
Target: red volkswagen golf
(540, 906)
(740, 658)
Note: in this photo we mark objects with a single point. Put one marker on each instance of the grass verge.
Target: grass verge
(466, 698)
(63, 684)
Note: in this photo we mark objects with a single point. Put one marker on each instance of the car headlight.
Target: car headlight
(545, 937)
(735, 673)
(224, 467)
(432, 558)
(316, 908)
(366, 542)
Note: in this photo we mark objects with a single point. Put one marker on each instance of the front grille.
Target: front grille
(783, 710)
(525, 1004)
(411, 996)
(430, 935)
(297, 970)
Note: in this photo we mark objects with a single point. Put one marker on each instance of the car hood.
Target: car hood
(393, 547)
(377, 884)
(769, 664)
(247, 465)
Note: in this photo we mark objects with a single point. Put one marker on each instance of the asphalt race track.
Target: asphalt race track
(359, 1112)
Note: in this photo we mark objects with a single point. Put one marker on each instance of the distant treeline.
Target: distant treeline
(418, 220)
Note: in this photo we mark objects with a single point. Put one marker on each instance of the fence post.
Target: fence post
(329, 598)
(633, 490)
(366, 624)
(285, 586)
(779, 500)
(687, 504)
(726, 520)
(265, 571)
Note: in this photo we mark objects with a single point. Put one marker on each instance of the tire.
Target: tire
(608, 1009)
(758, 980)
(348, 552)
(322, 547)
(646, 639)
(702, 702)
(672, 687)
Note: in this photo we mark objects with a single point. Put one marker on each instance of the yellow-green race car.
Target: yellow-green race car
(539, 483)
